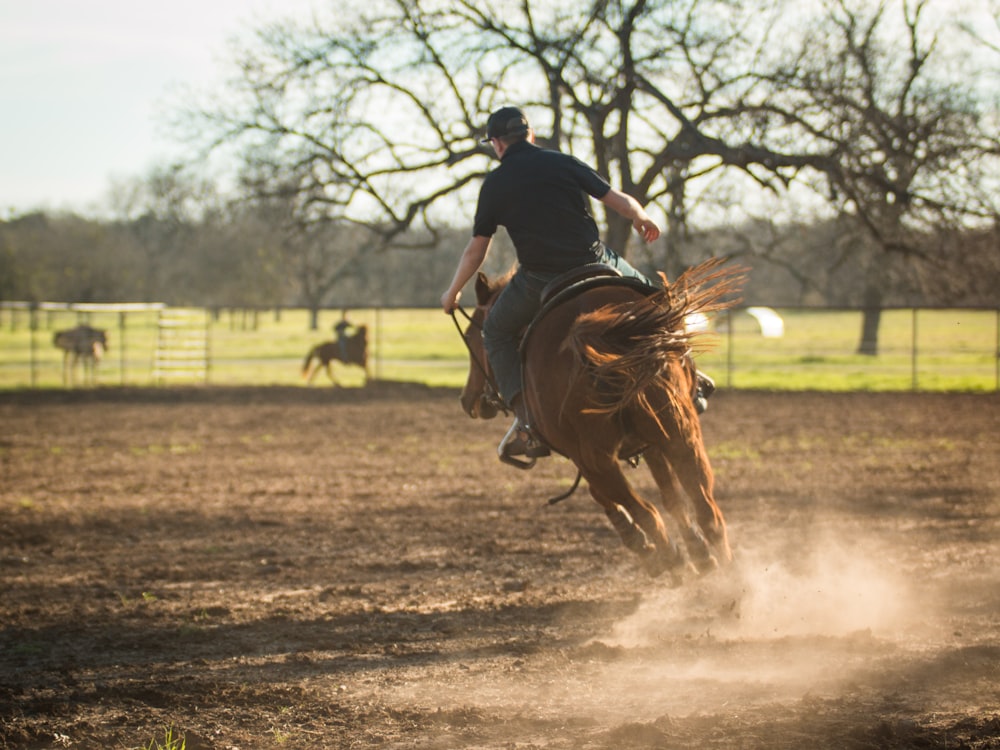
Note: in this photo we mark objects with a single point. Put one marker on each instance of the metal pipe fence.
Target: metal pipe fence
(787, 348)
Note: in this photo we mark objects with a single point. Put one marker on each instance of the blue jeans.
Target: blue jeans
(515, 308)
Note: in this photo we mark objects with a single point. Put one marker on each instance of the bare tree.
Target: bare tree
(374, 116)
(911, 147)
(371, 115)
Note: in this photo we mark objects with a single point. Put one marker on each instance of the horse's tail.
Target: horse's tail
(627, 347)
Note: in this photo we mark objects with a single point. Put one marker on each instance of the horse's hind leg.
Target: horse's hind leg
(69, 370)
(637, 522)
(704, 552)
(690, 462)
(631, 535)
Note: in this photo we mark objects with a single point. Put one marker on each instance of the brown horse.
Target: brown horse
(608, 377)
(81, 344)
(353, 351)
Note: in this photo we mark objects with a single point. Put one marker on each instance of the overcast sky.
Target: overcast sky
(83, 84)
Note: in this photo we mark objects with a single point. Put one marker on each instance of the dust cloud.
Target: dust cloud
(831, 588)
(768, 628)
(776, 626)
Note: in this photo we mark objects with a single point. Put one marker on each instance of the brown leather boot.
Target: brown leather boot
(519, 440)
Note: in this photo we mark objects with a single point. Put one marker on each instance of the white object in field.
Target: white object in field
(771, 324)
(696, 322)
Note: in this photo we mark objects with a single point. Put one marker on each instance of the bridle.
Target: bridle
(491, 394)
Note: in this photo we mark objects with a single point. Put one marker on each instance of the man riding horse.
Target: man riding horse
(540, 196)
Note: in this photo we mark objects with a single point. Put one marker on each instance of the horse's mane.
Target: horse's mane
(493, 286)
(628, 346)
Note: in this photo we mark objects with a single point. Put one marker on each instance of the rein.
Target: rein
(493, 394)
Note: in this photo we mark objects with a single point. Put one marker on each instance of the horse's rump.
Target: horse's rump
(639, 344)
(357, 347)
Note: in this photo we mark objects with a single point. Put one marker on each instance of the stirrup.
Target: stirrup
(705, 388)
(700, 403)
(533, 449)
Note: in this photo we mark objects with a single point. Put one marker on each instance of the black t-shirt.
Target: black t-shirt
(540, 196)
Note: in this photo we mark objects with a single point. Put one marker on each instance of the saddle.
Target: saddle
(578, 280)
(578, 275)
(559, 290)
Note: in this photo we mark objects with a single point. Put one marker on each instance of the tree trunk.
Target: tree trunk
(871, 316)
(871, 313)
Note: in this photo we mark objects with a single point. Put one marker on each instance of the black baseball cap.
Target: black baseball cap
(506, 121)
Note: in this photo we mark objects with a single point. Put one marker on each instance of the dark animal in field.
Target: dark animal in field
(83, 344)
(351, 349)
(609, 378)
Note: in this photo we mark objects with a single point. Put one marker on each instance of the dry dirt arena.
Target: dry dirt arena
(324, 568)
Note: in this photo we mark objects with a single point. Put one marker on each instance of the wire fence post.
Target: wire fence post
(121, 345)
(378, 343)
(729, 348)
(33, 325)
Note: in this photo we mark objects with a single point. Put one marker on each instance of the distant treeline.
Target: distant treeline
(245, 262)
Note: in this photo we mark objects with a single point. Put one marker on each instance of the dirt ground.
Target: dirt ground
(353, 568)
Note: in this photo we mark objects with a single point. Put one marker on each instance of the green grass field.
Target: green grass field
(954, 350)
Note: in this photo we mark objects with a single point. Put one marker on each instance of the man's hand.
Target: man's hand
(449, 301)
(647, 228)
(472, 258)
(627, 206)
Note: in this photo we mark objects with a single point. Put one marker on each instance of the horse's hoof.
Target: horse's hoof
(654, 566)
(673, 576)
(660, 561)
(702, 561)
(708, 565)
